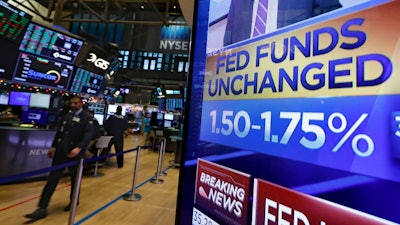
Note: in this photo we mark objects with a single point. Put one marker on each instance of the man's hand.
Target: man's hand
(74, 152)
(50, 153)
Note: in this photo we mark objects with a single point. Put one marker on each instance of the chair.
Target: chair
(101, 143)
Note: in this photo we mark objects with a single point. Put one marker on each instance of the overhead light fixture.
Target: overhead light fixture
(142, 5)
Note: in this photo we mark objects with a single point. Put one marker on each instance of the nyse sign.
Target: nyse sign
(174, 45)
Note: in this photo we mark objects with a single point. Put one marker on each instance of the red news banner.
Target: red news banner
(274, 204)
(222, 192)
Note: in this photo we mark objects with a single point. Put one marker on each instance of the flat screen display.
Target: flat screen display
(160, 116)
(19, 98)
(99, 118)
(39, 100)
(8, 59)
(13, 22)
(34, 116)
(168, 116)
(167, 123)
(47, 42)
(112, 109)
(95, 59)
(86, 82)
(4, 99)
(36, 70)
(292, 98)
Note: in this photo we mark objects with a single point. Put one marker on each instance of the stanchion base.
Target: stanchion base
(157, 181)
(94, 175)
(132, 197)
(161, 174)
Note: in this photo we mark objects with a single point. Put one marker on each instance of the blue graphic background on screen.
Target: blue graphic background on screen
(39, 100)
(36, 116)
(35, 70)
(13, 22)
(86, 82)
(19, 98)
(49, 43)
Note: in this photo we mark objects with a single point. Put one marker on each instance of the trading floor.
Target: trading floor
(101, 198)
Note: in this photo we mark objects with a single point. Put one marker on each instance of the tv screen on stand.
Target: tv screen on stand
(50, 43)
(34, 116)
(19, 98)
(34, 70)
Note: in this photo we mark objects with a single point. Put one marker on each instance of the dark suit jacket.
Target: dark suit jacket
(240, 14)
(73, 131)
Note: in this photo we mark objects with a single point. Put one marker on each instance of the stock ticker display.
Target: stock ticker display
(86, 82)
(49, 43)
(13, 22)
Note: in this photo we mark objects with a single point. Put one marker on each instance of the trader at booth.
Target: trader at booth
(74, 133)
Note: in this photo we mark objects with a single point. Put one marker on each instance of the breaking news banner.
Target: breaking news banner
(222, 195)
(274, 204)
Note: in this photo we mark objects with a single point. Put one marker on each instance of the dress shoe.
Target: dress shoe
(68, 207)
(38, 214)
(120, 166)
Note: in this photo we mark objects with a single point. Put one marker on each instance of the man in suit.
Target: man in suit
(115, 126)
(242, 15)
(74, 132)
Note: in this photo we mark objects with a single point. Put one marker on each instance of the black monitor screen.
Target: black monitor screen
(94, 58)
(86, 82)
(19, 98)
(50, 43)
(34, 116)
(8, 60)
(13, 22)
(44, 72)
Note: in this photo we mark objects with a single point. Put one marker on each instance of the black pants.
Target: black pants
(54, 177)
(119, 146)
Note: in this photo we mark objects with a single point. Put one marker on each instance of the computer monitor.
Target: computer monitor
(99, 118)
(39, 100)
(19, 98)
(35, 116)
(168, 116)
(167, 123)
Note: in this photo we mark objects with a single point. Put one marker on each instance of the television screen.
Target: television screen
(39, 100)
(9, 60)
(303, 105)
(112, 109)
(160, 116)
(40, 71)
(86, 82)
(168, 116)
(13, 22)
(4, 99)
(50, 43)
(34, 116)
(99, 118)
(167, 123)
(94, 58)
(19, 98)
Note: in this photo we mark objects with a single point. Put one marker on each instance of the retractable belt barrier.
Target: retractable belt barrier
(130, 196)
(157, 180)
